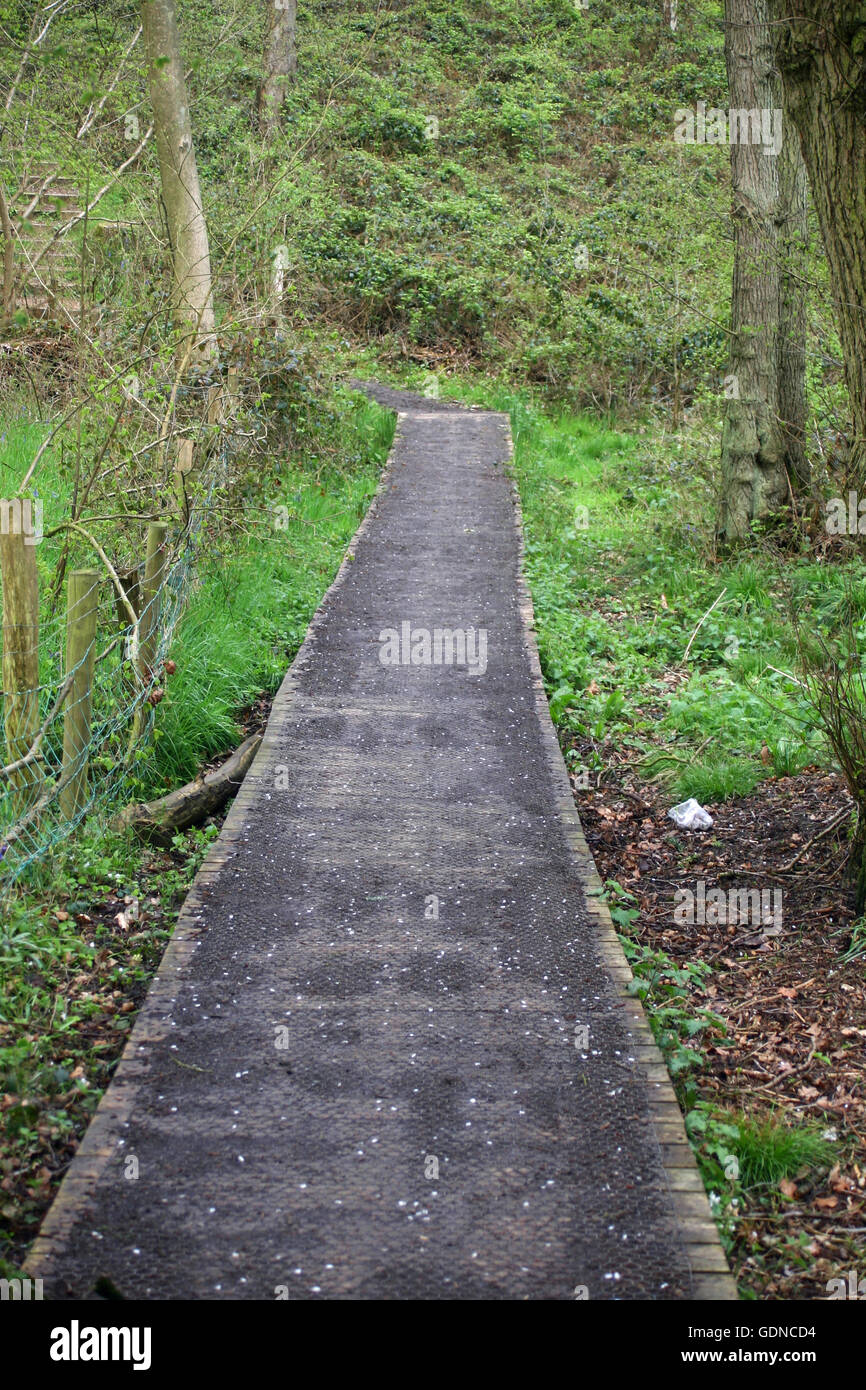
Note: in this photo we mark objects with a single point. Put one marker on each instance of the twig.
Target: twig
(702, 621)
(831, 825)
(79, 216)
(53, 789)
(788, 676)
(92, 114)
(37, 742)
(113, 575)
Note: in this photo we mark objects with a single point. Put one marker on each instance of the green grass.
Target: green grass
(254, 590)
(756, 1152)
(769, 1150)
(21, 436)
(710, 782)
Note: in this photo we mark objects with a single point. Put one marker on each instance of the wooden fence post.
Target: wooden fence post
(214, 405)
(232, 390)
(20, 649)
(151, 589)
(81, 613)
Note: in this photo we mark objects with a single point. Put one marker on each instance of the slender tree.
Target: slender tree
(280, 63)
(754, 480)
(8, 257)
(192, 294)
(821, 53)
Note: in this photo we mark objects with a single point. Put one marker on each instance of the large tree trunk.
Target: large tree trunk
(821, 54)
(793, 222)
(281, 61)
(754, 482)
(192, 297)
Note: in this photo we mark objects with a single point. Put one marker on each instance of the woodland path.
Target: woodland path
(361, 1071)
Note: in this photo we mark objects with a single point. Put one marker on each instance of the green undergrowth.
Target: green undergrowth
(673, 994)
(747, 1159)
(499, 182)
(76, 957)
(742, 1158)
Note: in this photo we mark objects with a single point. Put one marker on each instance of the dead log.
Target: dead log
(157, 821)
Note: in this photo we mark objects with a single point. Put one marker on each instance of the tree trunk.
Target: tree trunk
(821, 54)
(281, 61)
(192, 297)
(793, 223)
(754, 482)
(857, 866)
(8, 258)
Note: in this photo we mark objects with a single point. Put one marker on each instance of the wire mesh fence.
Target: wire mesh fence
(80, 683)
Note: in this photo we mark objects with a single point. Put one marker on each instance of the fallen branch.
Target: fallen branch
(157, 821)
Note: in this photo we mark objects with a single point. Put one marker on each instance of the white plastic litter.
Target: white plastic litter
(690, 815)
